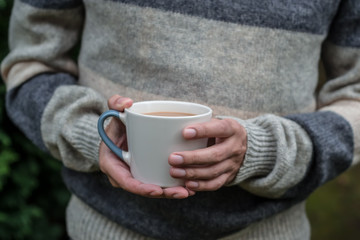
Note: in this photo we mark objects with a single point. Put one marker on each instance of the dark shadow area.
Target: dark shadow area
(33, 197)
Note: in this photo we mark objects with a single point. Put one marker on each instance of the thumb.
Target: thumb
(119, 103)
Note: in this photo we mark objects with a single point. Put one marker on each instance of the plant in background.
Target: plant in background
(3, 4)
(32, 195)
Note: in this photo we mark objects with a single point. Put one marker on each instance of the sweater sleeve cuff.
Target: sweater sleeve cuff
(261, 153)
(86, 138)
(69, 127)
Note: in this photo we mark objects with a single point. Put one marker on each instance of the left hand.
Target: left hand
(211, 168)
(118, 172)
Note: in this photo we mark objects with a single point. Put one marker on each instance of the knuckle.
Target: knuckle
(195, 158)
(224, 125)
(190, 173)
(234, 168)
(236, 127)
(228, 121)
(202, 130)
(218, 155)
(233, 124)
(111, 100)
(238, 152)
(231, 177)
(215, 185)
(216, 173)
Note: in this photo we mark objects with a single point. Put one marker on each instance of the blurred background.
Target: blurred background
(33, 197)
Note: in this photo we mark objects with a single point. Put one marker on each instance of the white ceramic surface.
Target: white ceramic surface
(151, 139)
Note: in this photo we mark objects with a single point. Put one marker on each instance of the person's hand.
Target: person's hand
(117, 171)
(211, 168)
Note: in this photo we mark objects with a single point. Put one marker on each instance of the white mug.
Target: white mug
(151, 139)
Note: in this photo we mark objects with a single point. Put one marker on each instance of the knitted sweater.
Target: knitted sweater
(252, 60)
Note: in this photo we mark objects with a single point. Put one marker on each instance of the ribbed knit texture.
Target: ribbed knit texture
(74, 140)
(261, 152)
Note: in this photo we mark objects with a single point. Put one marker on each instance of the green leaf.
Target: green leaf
(2, 4)
(5, 140)
(7, 157)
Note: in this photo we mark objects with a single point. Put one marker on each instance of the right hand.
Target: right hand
(117, 171)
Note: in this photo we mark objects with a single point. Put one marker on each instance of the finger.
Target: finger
(191, 192)
(211, 185)
(205, 173)
(113, 182)
(134, 186)
(126, 181)
(214, 128)
(176, 192)
(146, 190)
(119, 103)
(210, 155)
(130, 184)
(120, 176)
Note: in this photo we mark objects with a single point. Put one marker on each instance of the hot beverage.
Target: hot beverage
(170, 114)
(154, 132)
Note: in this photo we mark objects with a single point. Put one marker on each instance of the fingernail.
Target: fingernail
(178, 172)
(189, 133)
(176, 159)
(177, 195)
(192, 184)
(192, 193)
(154, 193)
(121, 101)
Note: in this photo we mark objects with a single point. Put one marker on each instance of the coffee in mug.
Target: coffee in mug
(154, 131)
(170, 114)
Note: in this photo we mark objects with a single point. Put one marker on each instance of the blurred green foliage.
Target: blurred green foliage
(32, 195)
(3, 4)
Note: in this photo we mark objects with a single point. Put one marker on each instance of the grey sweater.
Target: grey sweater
(254, 61)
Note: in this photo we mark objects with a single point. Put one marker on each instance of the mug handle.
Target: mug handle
(125, 156)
